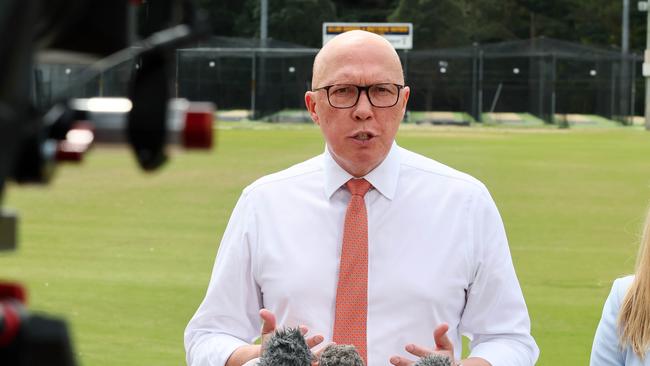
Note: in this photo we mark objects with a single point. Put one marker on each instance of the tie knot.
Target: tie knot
(358, 187)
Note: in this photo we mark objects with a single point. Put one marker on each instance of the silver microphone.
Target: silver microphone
(340, 355)
(434, 360)
(286, 347)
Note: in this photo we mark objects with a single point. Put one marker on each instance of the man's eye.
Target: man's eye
(380, 89)
(341, 90)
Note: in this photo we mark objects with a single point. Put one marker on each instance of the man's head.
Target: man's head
(360, 136)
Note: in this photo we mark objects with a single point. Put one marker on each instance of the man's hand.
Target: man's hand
(251, 352)
(269, 327)
(443, 347)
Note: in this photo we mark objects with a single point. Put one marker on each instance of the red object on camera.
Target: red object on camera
(9, 322)
(197, 132)
(78, 141)
(12, 291)
(12, 298)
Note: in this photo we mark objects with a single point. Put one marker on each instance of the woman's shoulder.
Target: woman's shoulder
(623, 283)
(620, 287)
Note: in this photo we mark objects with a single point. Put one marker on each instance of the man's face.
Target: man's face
(359, 137)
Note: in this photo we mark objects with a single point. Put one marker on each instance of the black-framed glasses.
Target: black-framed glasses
(382, 95)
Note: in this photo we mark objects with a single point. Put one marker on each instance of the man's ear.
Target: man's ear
(406, 92)
(310, 103)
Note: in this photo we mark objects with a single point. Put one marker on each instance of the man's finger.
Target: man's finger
(317, 354)
(419, 351)
(268, 321)
(314, 341)
(320, 351)
(440, 337)
(401, 361)
(303, 329)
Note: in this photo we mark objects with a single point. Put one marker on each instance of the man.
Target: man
(418, 249)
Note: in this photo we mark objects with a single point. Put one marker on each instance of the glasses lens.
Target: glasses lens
(383, 95)
(343, 95)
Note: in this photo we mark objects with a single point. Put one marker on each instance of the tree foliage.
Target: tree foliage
(437, 23)
(447, 23)
(297, 21)
(223, 15)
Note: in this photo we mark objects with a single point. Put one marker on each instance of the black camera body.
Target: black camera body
(31, 135)
(30, 339)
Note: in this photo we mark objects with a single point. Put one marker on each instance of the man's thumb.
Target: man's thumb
(440, 337)
(268, 321)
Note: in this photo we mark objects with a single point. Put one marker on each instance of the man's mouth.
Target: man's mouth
(363, 136)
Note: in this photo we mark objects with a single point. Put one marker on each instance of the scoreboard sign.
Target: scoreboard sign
(400, 35)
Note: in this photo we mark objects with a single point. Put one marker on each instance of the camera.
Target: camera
(35, 137)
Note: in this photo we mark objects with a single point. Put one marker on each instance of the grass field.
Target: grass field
(125, 256)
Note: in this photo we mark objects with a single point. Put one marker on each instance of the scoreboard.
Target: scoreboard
(400, 35)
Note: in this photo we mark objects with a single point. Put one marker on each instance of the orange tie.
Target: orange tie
(352, 290)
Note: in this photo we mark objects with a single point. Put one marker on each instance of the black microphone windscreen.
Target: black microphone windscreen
(340, 355)
(434, 360)
(286, 347)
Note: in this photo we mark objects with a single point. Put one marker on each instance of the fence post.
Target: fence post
(480, 86)
(632, 89)
(612, 94)
(623, 91)
(540, 90)
(253, 85)
(553, 85)
(474, 109)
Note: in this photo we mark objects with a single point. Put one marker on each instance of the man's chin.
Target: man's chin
(364, 164)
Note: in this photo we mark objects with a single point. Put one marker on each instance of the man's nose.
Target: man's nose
(363, 109)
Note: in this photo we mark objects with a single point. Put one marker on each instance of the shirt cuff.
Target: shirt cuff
(214, 350)
(504, 353)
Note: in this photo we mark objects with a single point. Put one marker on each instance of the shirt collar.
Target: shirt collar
(383, 178)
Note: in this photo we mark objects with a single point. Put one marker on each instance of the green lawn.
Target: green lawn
(125, 256)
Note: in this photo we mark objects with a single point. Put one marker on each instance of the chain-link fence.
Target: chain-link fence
(261, 80)
(55, 81)
(540, 76)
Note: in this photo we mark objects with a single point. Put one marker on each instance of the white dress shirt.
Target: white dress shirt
(437, 253)
(607, 350)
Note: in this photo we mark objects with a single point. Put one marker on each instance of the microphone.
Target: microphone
(340, 355)
(286, 347)
(434, 360)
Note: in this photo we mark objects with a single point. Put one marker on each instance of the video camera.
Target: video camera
(35, 138)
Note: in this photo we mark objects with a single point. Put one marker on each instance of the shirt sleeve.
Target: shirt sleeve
(228, 317)
(495, 317)
(606, 350)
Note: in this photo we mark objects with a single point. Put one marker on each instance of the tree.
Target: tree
(298, 21)
(447, 23)
(434, 21)
(486, 20)
(364, 10)
(223, 15)
(550, 18)
(437, 23)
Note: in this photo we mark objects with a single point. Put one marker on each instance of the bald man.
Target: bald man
(437, 257)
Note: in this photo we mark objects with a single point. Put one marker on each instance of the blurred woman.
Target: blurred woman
(623, 334)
